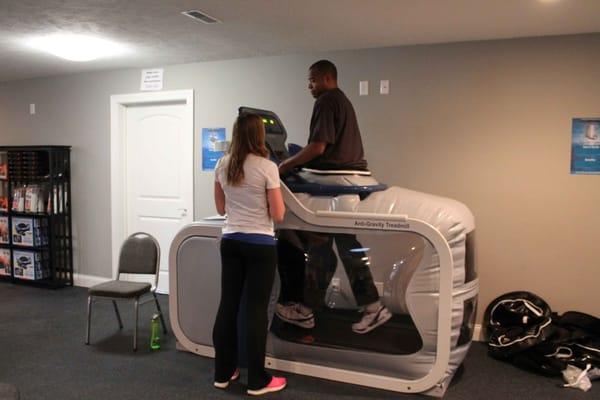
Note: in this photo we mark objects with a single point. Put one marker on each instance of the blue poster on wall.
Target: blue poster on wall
(585, 146)
(212, 139)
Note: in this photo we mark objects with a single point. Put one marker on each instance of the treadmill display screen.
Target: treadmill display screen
(271, 125)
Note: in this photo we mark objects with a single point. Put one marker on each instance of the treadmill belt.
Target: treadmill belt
(333, 329)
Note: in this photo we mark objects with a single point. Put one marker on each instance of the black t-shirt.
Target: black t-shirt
(334, 122)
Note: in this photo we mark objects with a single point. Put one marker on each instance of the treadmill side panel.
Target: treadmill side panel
(198, 287)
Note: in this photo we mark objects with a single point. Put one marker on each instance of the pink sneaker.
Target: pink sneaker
(277, 383)
(223, 385)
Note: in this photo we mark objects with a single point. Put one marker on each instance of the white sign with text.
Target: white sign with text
(152, 79)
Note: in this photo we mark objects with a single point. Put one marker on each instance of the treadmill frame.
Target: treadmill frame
(337, 219)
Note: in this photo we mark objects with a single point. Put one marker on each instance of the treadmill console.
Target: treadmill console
(276, 133)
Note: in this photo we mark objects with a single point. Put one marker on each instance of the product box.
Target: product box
(28, 198)
(29, 231)
(3, 196)
(4, 234)
(18, 200)
(4, 261)
(29, 265)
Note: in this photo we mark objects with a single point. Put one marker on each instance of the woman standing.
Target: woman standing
(247, 189)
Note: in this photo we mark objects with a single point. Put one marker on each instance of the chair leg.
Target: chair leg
(162, 319)
(135, 328)
(118, 315)
(89, 316)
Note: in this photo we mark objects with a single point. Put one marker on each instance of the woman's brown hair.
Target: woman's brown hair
(248, 138)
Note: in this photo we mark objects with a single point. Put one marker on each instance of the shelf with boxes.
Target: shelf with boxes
(35, 215)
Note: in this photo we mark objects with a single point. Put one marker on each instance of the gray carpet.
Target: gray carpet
(42, 352)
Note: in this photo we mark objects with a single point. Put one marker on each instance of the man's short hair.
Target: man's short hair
(325, 67)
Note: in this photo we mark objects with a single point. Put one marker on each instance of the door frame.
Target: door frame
(118, 162)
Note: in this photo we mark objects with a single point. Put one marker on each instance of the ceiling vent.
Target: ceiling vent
(200, 16)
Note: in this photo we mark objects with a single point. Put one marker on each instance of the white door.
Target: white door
(158, 174)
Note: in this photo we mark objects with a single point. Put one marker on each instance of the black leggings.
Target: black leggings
(255, 264)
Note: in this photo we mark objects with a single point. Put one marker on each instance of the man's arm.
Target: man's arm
(308, 153)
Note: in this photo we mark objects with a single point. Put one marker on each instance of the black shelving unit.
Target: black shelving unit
(35, 215)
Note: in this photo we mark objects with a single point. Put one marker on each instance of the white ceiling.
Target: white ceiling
(159, 35)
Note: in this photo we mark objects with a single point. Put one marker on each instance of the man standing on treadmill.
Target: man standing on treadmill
(334, 143)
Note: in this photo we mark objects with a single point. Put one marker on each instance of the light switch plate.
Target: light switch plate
(32, 108)
(384, 87)
(363, 88)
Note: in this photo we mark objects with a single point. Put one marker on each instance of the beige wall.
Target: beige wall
(489, 124)
(486, 123)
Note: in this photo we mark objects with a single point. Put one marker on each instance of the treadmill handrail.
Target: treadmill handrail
(359, 215)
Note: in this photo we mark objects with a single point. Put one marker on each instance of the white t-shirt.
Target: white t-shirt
(246, 203)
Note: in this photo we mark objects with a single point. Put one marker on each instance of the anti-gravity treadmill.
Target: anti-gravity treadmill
(419, 249)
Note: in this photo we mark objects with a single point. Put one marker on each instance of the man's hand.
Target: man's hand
(308, 153)
(285, 167)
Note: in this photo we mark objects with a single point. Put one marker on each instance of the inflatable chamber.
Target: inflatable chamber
(347, 241)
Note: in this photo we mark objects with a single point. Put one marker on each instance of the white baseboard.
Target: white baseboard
(88, 280)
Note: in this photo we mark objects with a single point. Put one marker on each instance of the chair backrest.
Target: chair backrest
(140, 254)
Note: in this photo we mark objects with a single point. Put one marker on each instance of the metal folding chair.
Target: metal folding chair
(140, 254)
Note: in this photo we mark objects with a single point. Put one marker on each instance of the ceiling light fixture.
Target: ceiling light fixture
(79, 48)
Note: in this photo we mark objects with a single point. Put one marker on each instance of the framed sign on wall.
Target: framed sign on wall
(585, 146)
(212, 147)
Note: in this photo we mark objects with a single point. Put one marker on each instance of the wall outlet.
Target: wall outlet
(363, 88)
(384, 87)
